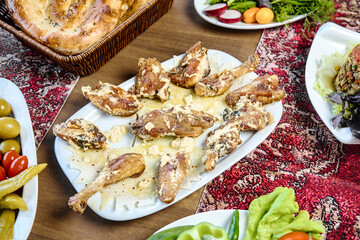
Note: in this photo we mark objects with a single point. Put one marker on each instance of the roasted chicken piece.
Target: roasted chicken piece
(179, 121)
(220, 142)
(126, 165)
(218, 83)
(264, 88)
(192, 68)
(171, 172)
(80, 133)
(249, 113)
(152, 81)
(112, 99)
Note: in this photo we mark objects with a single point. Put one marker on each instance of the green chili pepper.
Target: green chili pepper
(13, 201)
(242, 6)
(170, 234)
(233, 231)
(202, 230)
(14, 183)
(7, 220)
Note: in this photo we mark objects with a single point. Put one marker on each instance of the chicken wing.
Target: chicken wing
(81, 134)
(179, 121)
(249, 113)
(152, 81)
(264, 88)
(220, 142)
(192, 68)
(218, 83)
(127, 165)
(112, 99)
(172, 171)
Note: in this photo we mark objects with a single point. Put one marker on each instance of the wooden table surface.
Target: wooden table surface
(172, 35)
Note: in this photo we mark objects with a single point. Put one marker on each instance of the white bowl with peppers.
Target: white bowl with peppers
(18, 166)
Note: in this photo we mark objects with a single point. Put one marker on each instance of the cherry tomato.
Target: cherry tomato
(8, 158)
(17, 166)
(296, 236)
(2, 174)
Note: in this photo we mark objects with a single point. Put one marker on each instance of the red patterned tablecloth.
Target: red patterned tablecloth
(301, 152)
(44, 85)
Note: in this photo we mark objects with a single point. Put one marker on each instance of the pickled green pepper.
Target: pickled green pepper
(14, 183)
(7, 220)
(202, 230)
(13, 201)
(170, 234)
(233, 231)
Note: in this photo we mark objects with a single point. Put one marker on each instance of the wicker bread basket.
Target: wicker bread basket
(96, 56)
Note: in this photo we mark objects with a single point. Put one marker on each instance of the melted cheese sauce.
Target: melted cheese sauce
(131, 192)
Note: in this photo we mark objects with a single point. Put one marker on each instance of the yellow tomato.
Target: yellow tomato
(249, 15)
(264, 15)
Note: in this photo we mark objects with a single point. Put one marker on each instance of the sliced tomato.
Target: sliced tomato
(2, 174)
(18, 165)
(8, 158)
(296, 236)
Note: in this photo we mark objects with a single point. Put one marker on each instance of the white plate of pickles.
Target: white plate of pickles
(272, 216)
(13, 96)
(219, 218)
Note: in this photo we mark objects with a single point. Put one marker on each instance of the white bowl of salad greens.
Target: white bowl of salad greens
(329, 52)
(285, 12)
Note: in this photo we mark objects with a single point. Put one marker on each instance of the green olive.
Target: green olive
(9, 128)
(10, 144)
(5, 108)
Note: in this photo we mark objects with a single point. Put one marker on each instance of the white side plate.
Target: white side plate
(12, 94)
(200, 6)
(221, 218)
(329, 39)
(250, 140)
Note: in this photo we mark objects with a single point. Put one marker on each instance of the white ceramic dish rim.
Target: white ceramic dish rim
(200, 6)
(91, 113)
(329, 39)
(25, 219)
(221, 218)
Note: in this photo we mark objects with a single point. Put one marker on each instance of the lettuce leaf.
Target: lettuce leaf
(318, 11)
(327, 72)
(270, 212)
(273, 215)
(302, 223)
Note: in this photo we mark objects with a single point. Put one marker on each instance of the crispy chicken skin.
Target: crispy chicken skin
(126, 165)
(249, 113)
(218, 83)
(179, 121)
(220, 142)
(112, 99)
(152, 81)
(171, 172)
(264, 88)
(81, 134)
(192, 68)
